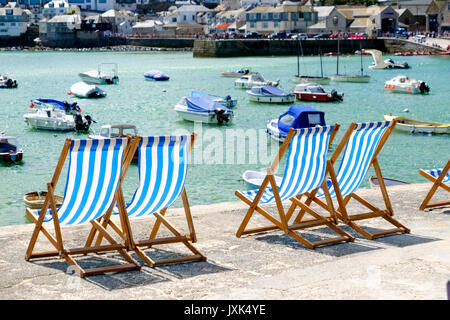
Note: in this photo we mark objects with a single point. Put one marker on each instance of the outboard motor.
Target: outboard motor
(423, 87)
(82, 123)
(221, 116)
(335, 95)
(228, 100)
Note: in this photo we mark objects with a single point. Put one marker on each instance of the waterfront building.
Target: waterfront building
(13, 20)
(59, 30)
(405, 18)
(122, 21)
(185, 14)
(59, 7)
(329, 20)
(418, 9)
(96, 5)
(372, 20)
(287, 17)
(438, 16)
(230, 21)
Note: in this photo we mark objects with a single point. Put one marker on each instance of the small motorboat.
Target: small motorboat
(254, 179)
(83, 90)
(156, 75)
(100, 77)
(404, 84)
(418, 126)
(315, 92)
(298, 116)
(7, 83)
(10, 149)
(35, 200)
(254, 79)
(379, 63)
(201, 109)
(225, 101)
(388, 182)
(117, 131)
(310, 79)
(55, 115)
(331, 54)
(237, 73)
(270, 94)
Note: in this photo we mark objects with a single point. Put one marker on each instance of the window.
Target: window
(252, 24)
(264, 16)
(276, 15)
(265, 25)
(275, 24)
(184, 18)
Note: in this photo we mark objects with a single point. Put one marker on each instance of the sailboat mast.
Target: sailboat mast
(337, 60)
(298, 59)
(361, 54)
(321, 68)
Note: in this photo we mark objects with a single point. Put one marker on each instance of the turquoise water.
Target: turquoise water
(149, 105)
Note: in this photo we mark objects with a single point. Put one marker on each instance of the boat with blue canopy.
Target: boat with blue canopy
(201, 109)
(69, 108)
(270, 94)
(156, 75)
(225, 101)
(298, 116)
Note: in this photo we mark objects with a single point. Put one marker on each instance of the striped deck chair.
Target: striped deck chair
(362, 143)
(95, 172)
(163, 167)
(305, 171)
(440, 178)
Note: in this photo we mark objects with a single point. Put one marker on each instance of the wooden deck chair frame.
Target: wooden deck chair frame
(178, 237)
(57, 242)
(437, 182)
(282, 223)
(375, 212)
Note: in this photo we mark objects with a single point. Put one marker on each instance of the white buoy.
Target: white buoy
(406, 110)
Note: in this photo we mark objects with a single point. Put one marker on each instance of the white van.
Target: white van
(419, 38)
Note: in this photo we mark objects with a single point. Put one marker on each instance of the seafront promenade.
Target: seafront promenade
(265, 266)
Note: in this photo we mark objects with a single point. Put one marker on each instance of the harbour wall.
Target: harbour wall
(288, 47)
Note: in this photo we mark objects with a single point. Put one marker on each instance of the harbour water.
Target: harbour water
(149, 105)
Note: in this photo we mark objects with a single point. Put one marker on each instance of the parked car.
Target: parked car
(278, 35)
(359, 36)
(401, 33)
(322, 36)
(252, 35)
(299, 36)
(419, 38)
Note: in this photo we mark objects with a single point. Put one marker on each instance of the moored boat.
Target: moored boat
(201, 109)
(156, 75)
(10, 149)
(298, 116)
(7, 82)
(35, 200)
(315, 92)
(225, 101)
(418, 126)
(100, 77)
(56, 115)
(379, 63)
(255, 79)
(109, 131)
(269, 94)
(83, 90)
(253, 179)
(404, 84)
(388, 182)
(236, 73)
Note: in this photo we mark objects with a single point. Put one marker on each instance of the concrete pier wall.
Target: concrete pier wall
(265, 47)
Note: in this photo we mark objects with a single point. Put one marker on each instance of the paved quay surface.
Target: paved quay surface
(270, 265)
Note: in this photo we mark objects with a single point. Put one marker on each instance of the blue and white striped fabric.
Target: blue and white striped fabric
(436, 173)
(305, 164)
(163, 165)
(95, 166)
(357, 157)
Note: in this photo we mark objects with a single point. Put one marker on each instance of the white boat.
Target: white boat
(51, 116)
(388, 182)
(254, 179)
(117, 131)
(236, 73)
(225, 101)
(298, 116)
(269, 94)
(404, 84)
(7, 83)
(83, 90)
(100, 77)
(418, 126)
(379, 63)
(255, 79)
(298, 78)
(201, 109)
(10, 149)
